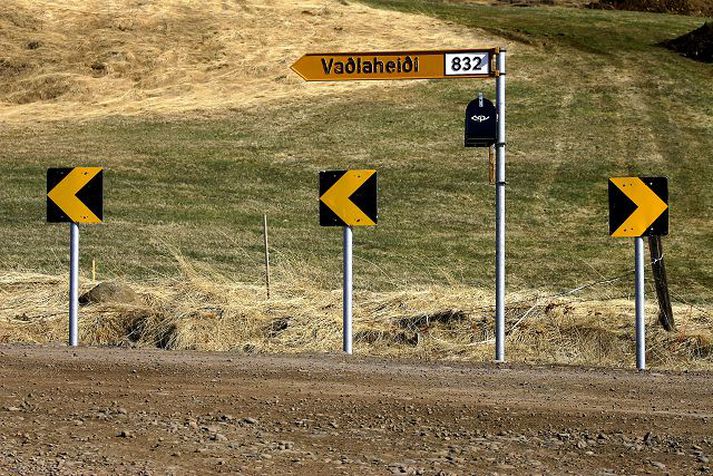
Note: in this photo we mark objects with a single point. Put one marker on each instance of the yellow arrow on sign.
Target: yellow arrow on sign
(337, 197)
(649, 206)
(64, 194)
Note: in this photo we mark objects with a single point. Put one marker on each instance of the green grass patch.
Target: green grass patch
(589, 96)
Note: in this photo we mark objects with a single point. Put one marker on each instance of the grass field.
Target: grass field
(590, 96)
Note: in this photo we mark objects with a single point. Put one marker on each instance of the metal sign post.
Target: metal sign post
(347, 293)
(347, 198)
(640, 312)
(638, 207)
(73, 284)
(500, 212)
(74, 196)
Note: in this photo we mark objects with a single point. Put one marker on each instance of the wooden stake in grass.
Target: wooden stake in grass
(662, 295)
(267, 255)
(94, 270)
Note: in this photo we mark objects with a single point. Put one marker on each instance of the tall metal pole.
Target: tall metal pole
(347, 293)
(640, 313)
(73, 284)
(500, 212)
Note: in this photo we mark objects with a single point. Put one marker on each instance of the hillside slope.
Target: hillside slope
(194, 157)
(73, 58)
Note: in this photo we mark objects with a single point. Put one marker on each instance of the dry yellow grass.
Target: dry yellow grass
(206, 311)
(72, 60)
(87, 58)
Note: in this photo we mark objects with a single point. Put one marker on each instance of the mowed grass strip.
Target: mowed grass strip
(589, 96)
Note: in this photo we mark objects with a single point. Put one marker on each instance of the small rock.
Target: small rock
(703, 459)
(125, 434)
(109, 291)
(658, 465)
(250, 421)
(218, 437)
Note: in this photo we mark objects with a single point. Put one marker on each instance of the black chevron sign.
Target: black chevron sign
(347, 198)
(638, 206)
(75, 195)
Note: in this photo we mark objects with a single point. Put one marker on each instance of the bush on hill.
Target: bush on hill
(680, 7)
(697, 45)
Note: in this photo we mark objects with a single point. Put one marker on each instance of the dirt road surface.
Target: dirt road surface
(122, 411)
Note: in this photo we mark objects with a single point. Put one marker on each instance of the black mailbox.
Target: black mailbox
(480, 123)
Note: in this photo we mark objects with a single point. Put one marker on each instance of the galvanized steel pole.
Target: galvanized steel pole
(347, 292)
(73, 284)
(640, 312)
(500, 212)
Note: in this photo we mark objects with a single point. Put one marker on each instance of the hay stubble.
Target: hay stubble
(72, 59)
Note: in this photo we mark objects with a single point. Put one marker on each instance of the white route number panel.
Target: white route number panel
(467, 63)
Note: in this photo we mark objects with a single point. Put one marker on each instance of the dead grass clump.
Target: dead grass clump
(46, 87)
(203, 310)
(117, 327)
(386, 339)
(698, 345)
(277, 326)
(370, 336)
(423, 322)
(10, 68)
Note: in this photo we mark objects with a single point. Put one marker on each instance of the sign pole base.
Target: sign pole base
(73, 284)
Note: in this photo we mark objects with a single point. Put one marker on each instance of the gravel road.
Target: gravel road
(123, 411)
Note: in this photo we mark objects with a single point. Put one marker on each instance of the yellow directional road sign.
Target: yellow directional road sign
(440, 64)
(638, 206)
(75, 195)
(347, 198)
